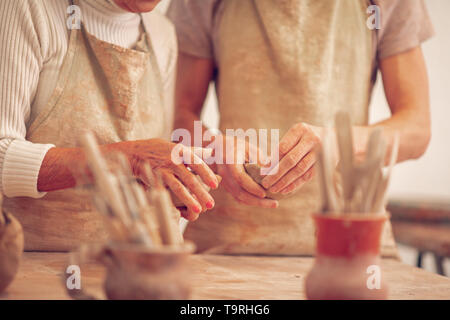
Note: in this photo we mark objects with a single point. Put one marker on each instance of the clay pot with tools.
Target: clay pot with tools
(135, 272)
(347, 263)
(11, 247)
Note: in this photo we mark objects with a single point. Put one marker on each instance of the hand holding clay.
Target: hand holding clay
(297, 160)
(236, 180)
(254, 171)
(181, 181)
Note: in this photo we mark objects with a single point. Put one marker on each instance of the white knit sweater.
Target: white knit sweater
(33, 42)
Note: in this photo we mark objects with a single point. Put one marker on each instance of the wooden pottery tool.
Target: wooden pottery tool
(379, 202)
(362, 183)
(327, 187)
(146, 254)
(134, 217)
(348, 237)
(345, 145)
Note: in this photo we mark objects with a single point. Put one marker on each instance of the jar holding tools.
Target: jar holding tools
(350, 224)
(146, 255)
(11, 247)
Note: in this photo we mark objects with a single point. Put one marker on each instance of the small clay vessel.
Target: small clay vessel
(347, 263)
(134, 272)
(11, 247)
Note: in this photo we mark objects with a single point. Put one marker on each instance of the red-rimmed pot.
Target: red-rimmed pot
(347, 263)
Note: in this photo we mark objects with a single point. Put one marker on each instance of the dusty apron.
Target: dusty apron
(113, 91)
(280, 63)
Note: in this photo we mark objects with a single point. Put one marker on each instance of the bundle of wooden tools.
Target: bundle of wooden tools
(133, 215)
(356, 187)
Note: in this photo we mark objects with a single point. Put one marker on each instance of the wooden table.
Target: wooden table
(224, 277)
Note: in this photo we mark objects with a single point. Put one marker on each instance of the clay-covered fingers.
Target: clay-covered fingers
(195, 162)
(246, 182)
(241, 195)
(248, 199)
(305, 145)
(297, 184)
(181, 192)
(288, 162)
(195, 187)
(189, 214)
(295, 173)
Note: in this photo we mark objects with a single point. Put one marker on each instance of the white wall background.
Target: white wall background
(429, 176)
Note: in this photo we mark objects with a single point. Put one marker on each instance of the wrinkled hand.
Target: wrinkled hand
(181, 181)
(236, 180)
(297, 154)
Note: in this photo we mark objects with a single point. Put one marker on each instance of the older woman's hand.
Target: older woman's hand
(181, 181)
(297, 159)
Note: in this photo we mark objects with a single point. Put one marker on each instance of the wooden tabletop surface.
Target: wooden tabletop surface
(223, 277)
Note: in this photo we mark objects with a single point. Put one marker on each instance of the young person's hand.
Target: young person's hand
(297, 159)
(234, 177)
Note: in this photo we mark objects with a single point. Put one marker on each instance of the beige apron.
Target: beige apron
(280, 63)
(113, 91)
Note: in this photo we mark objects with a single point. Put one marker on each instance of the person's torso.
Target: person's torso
(114, 92)
(98, 18)
(281, 63)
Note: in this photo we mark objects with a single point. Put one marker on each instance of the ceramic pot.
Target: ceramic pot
(11, 248)
(134, 272)
(347, 263)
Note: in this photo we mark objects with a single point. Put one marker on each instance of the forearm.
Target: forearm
(60, 169)
(184, 119)
(193, 78)
(413, 129)
(405, 82)
(64, 168)
(413, 136)
(406, 88)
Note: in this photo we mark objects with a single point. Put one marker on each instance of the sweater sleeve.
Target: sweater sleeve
(21, 58)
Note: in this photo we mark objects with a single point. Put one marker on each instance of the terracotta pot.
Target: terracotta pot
(347, 264)
(134, 272)
(11, 248)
